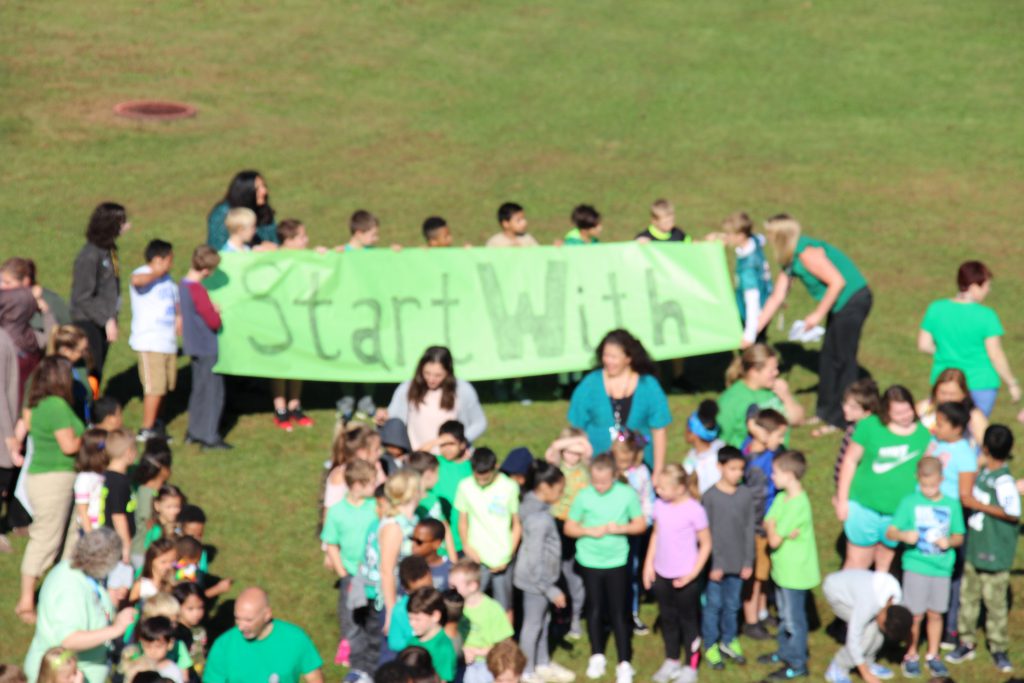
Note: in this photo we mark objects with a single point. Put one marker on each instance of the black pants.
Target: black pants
(98, 344)
(12, 514)
(680, 617)
(838, 365)
(608, 607)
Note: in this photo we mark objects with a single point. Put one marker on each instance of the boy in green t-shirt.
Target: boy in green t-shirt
(932, 525)
(426, 617)
(790, 531)
(991, 545)
(485, 623)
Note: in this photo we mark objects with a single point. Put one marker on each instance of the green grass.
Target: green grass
(892, 129)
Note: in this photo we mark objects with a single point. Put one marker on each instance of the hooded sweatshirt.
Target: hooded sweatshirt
(539, 562)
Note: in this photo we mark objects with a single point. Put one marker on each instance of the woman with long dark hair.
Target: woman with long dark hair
(622, 392)
(432, 397)
(96, 282)
(248, 189)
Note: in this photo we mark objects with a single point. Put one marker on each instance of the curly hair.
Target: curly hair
(97, 552)
(105, 224)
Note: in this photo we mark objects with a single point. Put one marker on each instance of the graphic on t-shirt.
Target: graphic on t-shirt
(932, 523)
(891, 457)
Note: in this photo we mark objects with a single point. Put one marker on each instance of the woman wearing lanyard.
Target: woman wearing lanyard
(844, 302)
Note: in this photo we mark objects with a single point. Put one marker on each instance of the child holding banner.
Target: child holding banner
(512, 219)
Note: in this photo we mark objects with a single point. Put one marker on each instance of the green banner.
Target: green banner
(368, 315)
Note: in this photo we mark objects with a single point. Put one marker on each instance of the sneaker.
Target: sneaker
(837, 674)
(962, 653)
(1002, 662)
(357, 676)
(301, 419)
(733, 651)
(282, 421)
(756, 632)
(555, 673)
(146, 434)
(343, 653)
(879, 671)
(596, 666)
(639, 627)
(668, 672)
(911, 668)
(624, 673)
(936, 667)
(950, 639)
(713, 656)
(532, 677)
(772, 658)
(787, 673)
(687, 675)
(575, 633)
(216, 446)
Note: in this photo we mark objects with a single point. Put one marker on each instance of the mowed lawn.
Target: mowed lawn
(892, 129)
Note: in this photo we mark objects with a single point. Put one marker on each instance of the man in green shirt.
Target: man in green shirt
(261, 648)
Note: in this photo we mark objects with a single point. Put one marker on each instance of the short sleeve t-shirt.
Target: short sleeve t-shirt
(489, 515)
(117, 498)
(992, 542)
(442, 654)
(285, 656)
(154, 308)
(577, 478)
(677, 524)
(51, 415)
(956, 457)
(488, 624)
(502, 240)
(733, 405)
(449, 476)
(143, 513)
(88, 487)
(888, 469)
(347, 526)
(400, 634)
(618, 504)
(795, 562)
(960, 331)
(932, 519)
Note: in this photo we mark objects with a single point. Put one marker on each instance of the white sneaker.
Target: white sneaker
(624, 673)
(555, 673)
(669, 671)
(687, 675)
(596, 666)
(533, 677)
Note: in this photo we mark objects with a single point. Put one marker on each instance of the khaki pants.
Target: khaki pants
(52, 494)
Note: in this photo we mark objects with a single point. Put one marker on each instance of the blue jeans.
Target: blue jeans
(793, 627)
(721, 610)
(985, 400)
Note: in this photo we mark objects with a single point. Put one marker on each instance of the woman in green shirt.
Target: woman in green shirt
(753, 379)
(56, 431)
(961, 333)
(879, 469)
(844, 302)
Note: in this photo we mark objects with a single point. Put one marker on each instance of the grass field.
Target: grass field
(893, 129)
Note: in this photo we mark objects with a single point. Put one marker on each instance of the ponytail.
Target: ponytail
(542, 472)
(752, 358)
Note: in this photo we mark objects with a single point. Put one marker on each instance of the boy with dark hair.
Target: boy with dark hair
(426, 617)
(794, 567)
(512, 219)
(427, 538)
(107, 414)
(586, 226)
(453, 467)
(436, 232)
(992, 533)
(156, 323)
(931, 525)
(454, 603)
(488, 506)
(731, 517)
(157, 638)
(413, 574)
(200, 324)
(868, 602)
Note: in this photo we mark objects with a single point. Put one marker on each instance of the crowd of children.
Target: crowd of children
(445, 557)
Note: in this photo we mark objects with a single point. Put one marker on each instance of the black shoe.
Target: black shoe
(221, 445)
(756, 632)
(786, 674)
(772, 658)
(191, 440)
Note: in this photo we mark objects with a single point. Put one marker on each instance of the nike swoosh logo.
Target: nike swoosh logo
(883, 467)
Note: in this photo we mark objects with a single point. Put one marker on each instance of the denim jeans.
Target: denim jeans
(793, 627)
(721, 611)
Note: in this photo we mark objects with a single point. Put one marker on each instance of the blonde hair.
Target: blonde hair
(570, 431)
(468, 568)
(119, 442)
(680, 477)
(239, 218)
(161, 605)
(753, 358)
(662, 206)
(66, 337)
(738, 222)
(783, 232)
(401, 488)
(55, 659)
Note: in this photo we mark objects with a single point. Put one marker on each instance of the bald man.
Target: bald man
(262, 648)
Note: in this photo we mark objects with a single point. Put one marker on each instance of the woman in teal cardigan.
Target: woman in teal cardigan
(248, 189)
(623, 392)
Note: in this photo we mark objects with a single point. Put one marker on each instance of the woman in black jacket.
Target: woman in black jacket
(96, 283)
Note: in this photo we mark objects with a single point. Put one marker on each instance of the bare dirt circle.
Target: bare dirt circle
(154, 110)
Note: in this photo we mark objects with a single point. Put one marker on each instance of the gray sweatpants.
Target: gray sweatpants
(577, 593)
(206, 402)
(533, 636)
